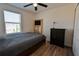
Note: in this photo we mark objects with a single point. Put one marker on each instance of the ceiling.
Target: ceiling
(40, 8)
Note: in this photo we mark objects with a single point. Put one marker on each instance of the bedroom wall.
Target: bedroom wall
(27, 18)
(64, 18)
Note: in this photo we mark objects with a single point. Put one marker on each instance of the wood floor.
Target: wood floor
(52, 50)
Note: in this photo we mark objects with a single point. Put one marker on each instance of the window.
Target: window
(12, 22)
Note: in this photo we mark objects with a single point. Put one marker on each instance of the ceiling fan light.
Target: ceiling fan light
(35, 4)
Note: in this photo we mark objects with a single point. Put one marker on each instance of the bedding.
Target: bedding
(12, 44)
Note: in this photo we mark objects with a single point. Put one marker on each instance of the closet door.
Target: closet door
(76, 33)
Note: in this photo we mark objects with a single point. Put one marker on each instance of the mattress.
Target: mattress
(12, 44)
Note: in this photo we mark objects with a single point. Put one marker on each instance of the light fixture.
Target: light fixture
(35, 4)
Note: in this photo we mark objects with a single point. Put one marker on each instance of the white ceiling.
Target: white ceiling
(40, 8)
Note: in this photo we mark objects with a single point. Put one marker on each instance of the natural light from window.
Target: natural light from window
(12, 22)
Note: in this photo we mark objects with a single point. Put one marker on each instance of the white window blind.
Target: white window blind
(12, 22)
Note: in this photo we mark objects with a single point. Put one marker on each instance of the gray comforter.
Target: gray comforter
(12, 44)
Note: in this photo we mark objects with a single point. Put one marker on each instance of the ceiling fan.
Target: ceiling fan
(36, 4)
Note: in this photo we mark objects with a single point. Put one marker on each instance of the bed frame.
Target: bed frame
(32, 49)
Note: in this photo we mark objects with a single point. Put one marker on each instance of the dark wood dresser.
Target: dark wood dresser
(57, 37)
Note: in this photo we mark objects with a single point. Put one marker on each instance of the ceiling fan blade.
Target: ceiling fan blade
(42, 5)
(28, 5)
(35, 8)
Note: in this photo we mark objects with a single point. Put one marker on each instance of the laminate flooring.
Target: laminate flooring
(52, 50)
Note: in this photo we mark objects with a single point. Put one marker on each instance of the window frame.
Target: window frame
(12, 22)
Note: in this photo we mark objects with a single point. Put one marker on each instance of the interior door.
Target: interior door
(76, 33)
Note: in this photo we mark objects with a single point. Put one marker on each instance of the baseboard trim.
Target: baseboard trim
(67, 46)
(64, 45)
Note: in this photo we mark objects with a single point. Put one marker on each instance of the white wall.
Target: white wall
(76, 34)
(27, 18)
(64, 17)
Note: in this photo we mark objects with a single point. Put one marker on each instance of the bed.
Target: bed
(20, 43)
